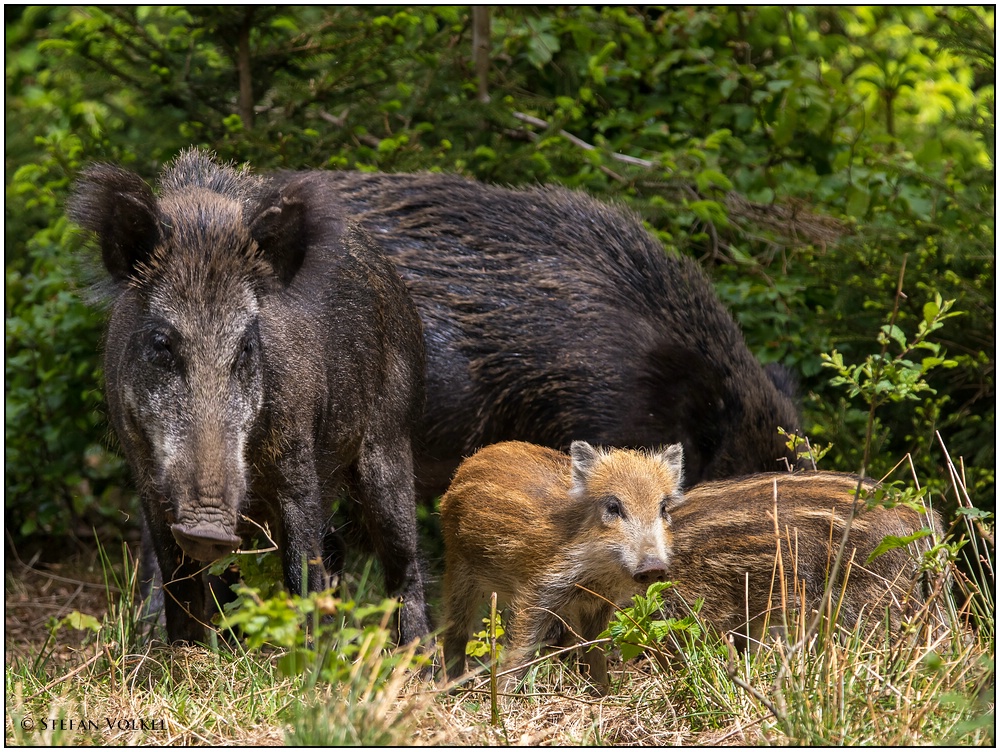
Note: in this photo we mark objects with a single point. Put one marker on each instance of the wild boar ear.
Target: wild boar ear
(783, 379)
(278, 225)
(120, 207)
(584, 458)
(672, 458)
(355, 235)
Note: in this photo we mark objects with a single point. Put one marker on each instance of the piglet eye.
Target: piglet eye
(613, 508)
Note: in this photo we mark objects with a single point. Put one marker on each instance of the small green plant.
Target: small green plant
(338, 650)
(320, 634)
(805, 453)
(72, 620)
(492, 631)
(486, 644)
(883, 377)
(636, 628)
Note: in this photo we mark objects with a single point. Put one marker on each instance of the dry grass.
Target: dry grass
(851, 689)
(558, 709)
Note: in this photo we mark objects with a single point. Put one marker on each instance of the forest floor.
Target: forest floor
(73, 686)
(52, 584)
(48, 586)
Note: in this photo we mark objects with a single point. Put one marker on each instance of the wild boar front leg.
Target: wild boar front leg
(384, 486)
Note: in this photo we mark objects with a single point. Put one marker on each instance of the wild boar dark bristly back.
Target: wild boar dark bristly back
(550, 316)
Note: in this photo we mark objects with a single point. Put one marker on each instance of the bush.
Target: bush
(801, 153)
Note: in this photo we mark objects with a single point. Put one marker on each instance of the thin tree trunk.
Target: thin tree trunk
(481, 49)
(243, 67)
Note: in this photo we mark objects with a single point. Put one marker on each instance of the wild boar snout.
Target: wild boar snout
(204, 542)
(651, 569)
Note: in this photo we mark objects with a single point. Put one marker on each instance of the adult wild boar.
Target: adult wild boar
(549, 316)
(261, 357)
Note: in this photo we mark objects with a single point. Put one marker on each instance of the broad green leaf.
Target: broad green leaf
(893, 542)
(76, 620)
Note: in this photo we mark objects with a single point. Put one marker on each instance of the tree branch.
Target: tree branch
(792, 221)
(538, 122)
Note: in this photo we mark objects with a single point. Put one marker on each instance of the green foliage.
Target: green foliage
(883, 377)
(74, 620)
(634, 629)
(805, 455)
(58, 470)
(901, 371)
(893, 542)
(341, 652)
(260, 568)
(492, 632)
(319, 633)
(233, 694)
(799, 152)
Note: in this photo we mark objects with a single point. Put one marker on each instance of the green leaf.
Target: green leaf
(296, 662)
(974, 513)
(896, 333)
(931, 310)
(784, 128)
(857, 201)
(630, 650)
(716, 139)
(893, 542)
(709, 211)
(728, 85)
(76, 620)
(709, 178)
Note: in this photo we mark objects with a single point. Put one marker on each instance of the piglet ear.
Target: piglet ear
(672, 458)
(119, 206)
(278, 225)
(584, 459)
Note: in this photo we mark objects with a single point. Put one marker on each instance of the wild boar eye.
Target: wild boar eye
(613, 508)
(162, 348)
(246, 354)
(249, 345)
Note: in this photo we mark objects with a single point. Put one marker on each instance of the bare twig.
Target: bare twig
(792, 220)
(244, 68)
(337, 120)
(55, 577)
(267, 534)
(958, 483)
(577, 141)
